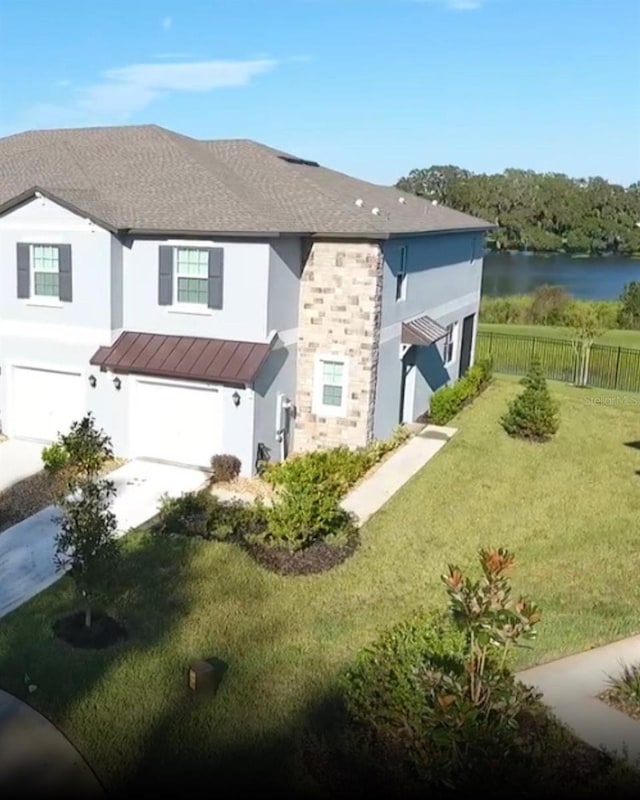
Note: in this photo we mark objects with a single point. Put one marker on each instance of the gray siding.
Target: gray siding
(285, 259)
(244, 314)
(41, 221)
(278, 375)
(444, 275)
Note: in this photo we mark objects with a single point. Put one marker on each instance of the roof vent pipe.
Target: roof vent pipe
(402, 200)
(375, 211)
(359, 202)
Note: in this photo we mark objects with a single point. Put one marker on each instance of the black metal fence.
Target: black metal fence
(607, 368)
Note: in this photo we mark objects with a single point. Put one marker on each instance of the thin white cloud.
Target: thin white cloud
(167, 22)
(125, 91)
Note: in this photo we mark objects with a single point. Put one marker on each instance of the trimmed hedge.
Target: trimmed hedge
(447, 401)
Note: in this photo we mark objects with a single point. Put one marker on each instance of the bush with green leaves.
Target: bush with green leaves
(224, 467)
(548, 305)
(54, 458)
(433, 701)
(303, 514)
(448, 401)
(203, 515)
(332, 471)
(533, 414)
(624, 689)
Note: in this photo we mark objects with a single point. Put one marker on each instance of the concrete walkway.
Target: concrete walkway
(36, 760)
(27, 549)
(18, 460)
(375, 491)
(570, 686)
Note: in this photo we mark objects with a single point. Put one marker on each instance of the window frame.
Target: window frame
(34, 297)
(186, 304)
(318, 406)
(450, 342)
(401, 275)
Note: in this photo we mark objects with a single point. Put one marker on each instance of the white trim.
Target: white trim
(44, 301)
(182, 307)
(317, 406)
(455, 343)
(213, 387)
(193, 309)
(288, 337)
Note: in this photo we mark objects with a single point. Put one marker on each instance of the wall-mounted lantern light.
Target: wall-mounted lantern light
(92, 381)
(236, 399)
(117, 383)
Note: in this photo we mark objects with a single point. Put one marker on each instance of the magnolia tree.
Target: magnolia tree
(86, 544)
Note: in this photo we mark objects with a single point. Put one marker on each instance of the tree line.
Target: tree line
(543, 212)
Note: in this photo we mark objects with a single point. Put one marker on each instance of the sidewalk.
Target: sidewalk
(570, 687)
(392, 475)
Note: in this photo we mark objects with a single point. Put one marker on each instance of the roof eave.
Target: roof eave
(35, 191)
(198, 234)
(435, 232)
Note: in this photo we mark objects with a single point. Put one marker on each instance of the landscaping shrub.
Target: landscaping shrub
(206, 516)
(224, 468)
(505, 310)
(333, 471)
(624, 691)
(54, 458)
(548, 305)
(304, 514)
(447, 401)
(533, 414)
(433, 701)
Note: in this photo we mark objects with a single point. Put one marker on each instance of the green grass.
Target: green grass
(568, 509)
(615, 338)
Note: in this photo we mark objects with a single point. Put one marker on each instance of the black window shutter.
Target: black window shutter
(216, 277)
(23, 260)
(165, 275)
(65, 290)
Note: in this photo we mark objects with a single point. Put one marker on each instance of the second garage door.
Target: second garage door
(176, 422)
(44, 402)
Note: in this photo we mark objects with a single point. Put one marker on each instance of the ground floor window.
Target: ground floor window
(330, 386)
(450, 344)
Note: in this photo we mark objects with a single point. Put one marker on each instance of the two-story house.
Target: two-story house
(205, 297)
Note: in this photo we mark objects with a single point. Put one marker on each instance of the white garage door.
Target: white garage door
(45, 402)
(174, 422)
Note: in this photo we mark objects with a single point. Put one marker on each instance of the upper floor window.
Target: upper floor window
(192, 276)
(45, 268)
(330, 386)
(401, 277)
(450, 343)
(44, 272)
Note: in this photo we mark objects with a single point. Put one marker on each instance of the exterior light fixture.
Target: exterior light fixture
(117, 383)
(92, 381)
(236, 399)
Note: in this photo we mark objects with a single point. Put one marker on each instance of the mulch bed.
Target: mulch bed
(104, 631)
(627, 706)
(318, 557)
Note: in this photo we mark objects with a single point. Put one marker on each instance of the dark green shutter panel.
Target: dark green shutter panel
(65, 290)
(216, 277)
(23, 260)
(165, 275)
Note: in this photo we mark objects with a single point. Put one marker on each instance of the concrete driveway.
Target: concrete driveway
(27, 549)
(18, 460)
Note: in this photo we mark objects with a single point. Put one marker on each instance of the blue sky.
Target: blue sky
(371, 87)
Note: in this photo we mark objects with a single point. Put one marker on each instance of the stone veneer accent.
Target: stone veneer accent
(340, 307)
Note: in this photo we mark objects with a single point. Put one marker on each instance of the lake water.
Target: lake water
(586, 278)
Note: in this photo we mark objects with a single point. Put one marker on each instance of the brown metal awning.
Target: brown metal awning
(422, 331)
(183, 357)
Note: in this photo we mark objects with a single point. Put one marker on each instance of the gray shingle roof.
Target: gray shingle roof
(147, 178)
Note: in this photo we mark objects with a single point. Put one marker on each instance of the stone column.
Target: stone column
(340, 308)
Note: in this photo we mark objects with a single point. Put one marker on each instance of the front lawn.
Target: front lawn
(568, 509)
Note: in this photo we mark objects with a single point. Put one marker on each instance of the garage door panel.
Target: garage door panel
(173, 422)
(45, 402)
